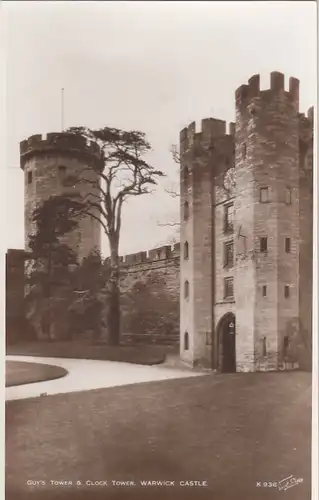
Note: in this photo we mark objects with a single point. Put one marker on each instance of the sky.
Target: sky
(149, 66)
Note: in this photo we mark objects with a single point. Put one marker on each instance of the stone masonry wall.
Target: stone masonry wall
(150, 297)
(52, 167)
(306, 237)
(15, 311)
(205, 156)
(267, 150)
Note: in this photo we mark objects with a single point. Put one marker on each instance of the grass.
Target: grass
(18, 373)
(142, 355)
(230, 430)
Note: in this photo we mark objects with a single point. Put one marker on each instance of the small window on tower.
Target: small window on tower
(229, 219)
(244, 150)
(29, 177)
(264, 290)
(264, 195)
(288, 196)
(186, 178)
(229, 254)
(228, 288)
(186, 341)
(186, 250)
(186, 289)
(287, 291)
(263, 245)
(264, 347)
(62, 171)
(287, 245)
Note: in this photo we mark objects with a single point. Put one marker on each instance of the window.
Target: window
(264, 195)
(228, 288)
(264, 290)
(229, 219)
(29, 177)
(186, 341)
(70, 180)
(288, 196)
(186, 210)
(287, 245)
(186, 178)
(186, 289)
(287, 291)
(244, 148)
(264, 347)
(62, 171)
(263, 245)
(229, 254)
(186, 250)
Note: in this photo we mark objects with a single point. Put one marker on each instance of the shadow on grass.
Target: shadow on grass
(232, 431)
(21, 373)
(141, 355)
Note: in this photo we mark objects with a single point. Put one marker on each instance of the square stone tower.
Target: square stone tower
(246, 234)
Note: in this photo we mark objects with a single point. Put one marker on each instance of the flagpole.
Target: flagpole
(62, 109)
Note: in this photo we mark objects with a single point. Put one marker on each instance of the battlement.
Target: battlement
(211, 128)
(251, 90)
(306, 124)
(155, 254)
(61, 142)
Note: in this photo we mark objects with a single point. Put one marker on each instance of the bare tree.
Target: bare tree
(173, 190)
(124, 174)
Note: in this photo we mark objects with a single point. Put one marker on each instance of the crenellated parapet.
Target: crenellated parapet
(211, 128)
(306, 125)
(251, 91)
(62, 143)
(163, 253)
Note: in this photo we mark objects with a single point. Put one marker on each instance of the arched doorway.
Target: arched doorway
(226, 334)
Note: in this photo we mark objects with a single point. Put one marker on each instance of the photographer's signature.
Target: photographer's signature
(289, 482)
(283, 485)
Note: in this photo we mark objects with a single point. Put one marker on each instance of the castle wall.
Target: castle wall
(150, 297)
(15, 309)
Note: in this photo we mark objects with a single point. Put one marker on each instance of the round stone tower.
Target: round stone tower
(266, 220)
(52, 165)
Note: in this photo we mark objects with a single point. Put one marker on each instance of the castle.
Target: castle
(246, 232)
(245, 259)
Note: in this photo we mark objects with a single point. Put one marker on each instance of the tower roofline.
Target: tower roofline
(277, 85)
(64, 143)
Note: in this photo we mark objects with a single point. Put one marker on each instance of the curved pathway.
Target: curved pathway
(86, 375)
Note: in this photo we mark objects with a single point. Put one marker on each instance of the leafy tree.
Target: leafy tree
(125, 173)
(49, 260)
(86, 310)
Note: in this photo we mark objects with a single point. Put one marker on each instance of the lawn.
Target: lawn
(18, 373)
(142, 355)
(229, 430)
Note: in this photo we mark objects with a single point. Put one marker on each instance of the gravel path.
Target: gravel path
(90, 374)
